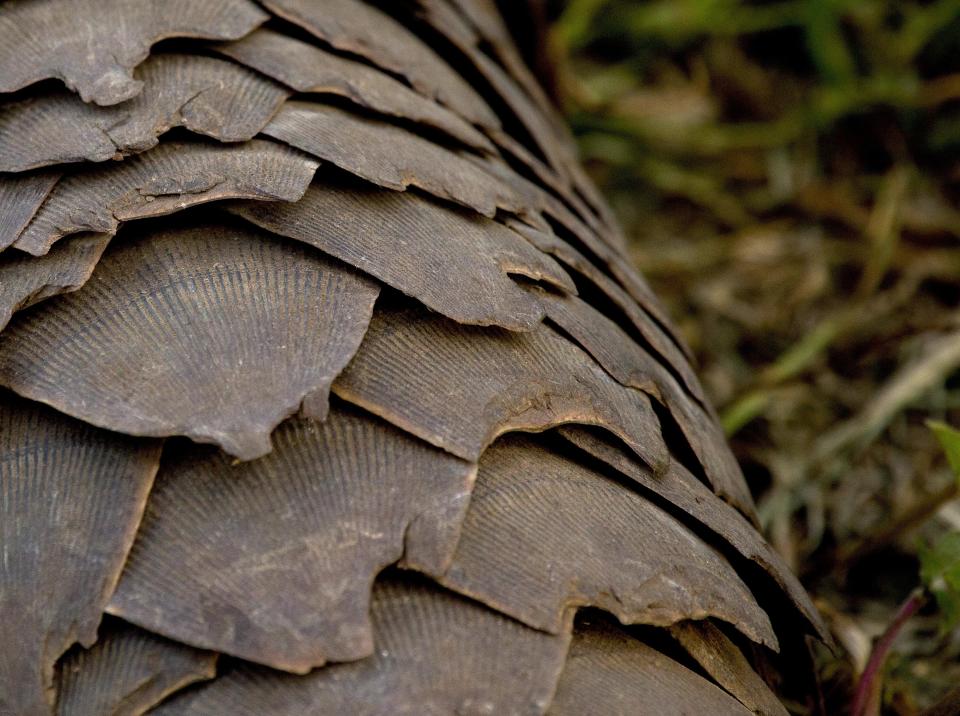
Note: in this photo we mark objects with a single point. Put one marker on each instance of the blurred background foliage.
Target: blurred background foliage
(788, 173)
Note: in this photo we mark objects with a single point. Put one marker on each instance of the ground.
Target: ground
(787, 175)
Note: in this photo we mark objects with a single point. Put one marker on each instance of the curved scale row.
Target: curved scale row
(166, 180)
(205, 95)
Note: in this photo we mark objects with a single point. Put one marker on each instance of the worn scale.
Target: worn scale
(327, 388)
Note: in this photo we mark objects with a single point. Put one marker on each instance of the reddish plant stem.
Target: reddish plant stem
(866, 701)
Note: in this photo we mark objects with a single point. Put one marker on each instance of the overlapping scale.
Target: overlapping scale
(725, 663)
(213, 332)
(220, 325)
(453, 262)
(206, 95)
(21, 195)
(392, 157)
(93, 45)
(682, 489)
(127, 672)
(360, 29)
(626, 361)
(26, 280)
(435, 653)
(71, 497)
(545, 533)
(459, 387)
(170, 178)
(611, 673)
(273, 560)
(309, 68)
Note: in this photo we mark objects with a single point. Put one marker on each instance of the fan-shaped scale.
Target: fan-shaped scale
(612, 673)
(436, 654)
(127, 672)
(309, 68)
(459, 387)
(26, 280)
(217, 333)
(392, 156)
(71, 497)
(206, 95)
(93, 45)
(453, 262)
(273, 560)
(358, 28)
(165, 180)
(544, 533)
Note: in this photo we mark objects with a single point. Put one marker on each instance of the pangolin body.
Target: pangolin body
(326, 386)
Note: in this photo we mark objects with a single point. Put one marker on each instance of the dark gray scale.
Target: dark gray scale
(165, 180)
(309, 68)
(459, 387)
(127, 671)
(485, 18)
(82, 43)
(435, 653)
(71, 497)
(544, 534)
(397, 548)
(718, 656)
(682, 489)
(393, 157)
(455, 263)
(26, 280)
(273, 560)
(212, 332)
(643, 316)
(632, 366)
(610, 672)
(21, 195)
(205, 95)
(360, 29)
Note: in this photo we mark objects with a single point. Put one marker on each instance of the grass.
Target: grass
(788, 174)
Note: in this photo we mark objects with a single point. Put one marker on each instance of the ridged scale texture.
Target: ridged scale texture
(348, 244)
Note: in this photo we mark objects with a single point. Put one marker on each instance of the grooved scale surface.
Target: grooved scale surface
(273, 560)
(508, 305)
(451, 261)
(20, 198)
(726, 664)
(436, 654)
(308, 68)
(544, 533)
(210, 332)
(611, 673)
(71, 497)
(26, 280)
(681, 488)
(632, 366)
(205, 95)
(392, 156)
(126, 672)
(355, 27)
(163, 181)
(662, 344)
(82, 42)
(459, 387)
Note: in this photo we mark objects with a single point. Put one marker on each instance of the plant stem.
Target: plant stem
(866, 701)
